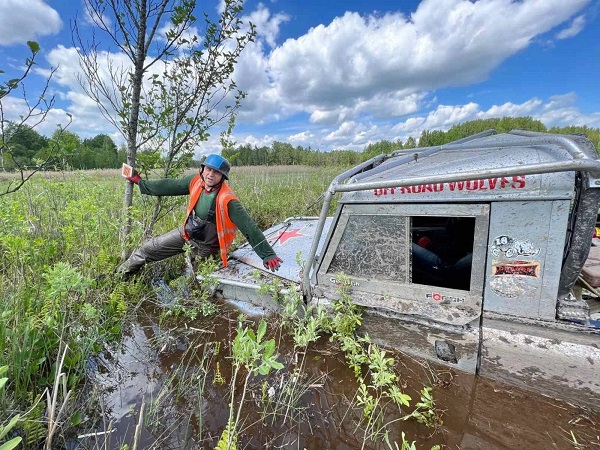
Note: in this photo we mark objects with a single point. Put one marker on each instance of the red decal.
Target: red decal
(516, 182)
(283, 236)
(457, 185)
(474, 185)
(519, 182)
(521, 268)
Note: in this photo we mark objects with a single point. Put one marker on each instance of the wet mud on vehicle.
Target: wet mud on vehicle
(470, 254)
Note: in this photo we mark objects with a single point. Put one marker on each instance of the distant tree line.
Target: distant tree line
(70, 152)
(63, 150)
(283, 153)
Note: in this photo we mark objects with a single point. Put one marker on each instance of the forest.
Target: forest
(65, 150)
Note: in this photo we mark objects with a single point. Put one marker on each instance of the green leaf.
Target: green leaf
(275, 364)
(77, 419)
(3, 382)
(251, 335)
(4, 430)
(13, 83)
(13, 443)
(269, 347)
(262, 329)
(33, 46)
(405, 399)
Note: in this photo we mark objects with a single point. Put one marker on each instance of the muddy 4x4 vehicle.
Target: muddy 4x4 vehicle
(471, 254)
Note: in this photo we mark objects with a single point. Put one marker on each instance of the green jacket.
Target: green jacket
(238, 214)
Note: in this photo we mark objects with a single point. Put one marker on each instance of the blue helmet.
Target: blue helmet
(218, 163)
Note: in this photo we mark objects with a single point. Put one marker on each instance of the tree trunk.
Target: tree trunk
(137, 80)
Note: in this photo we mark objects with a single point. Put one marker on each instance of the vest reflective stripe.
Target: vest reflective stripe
(225, 227)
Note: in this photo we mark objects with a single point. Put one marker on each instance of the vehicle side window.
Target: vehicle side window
(373, 247)
(442, 251)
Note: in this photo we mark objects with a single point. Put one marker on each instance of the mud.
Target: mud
(171, 369)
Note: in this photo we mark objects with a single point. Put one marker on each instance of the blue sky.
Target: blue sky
(343, 74)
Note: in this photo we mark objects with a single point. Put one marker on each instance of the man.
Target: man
(213, 215)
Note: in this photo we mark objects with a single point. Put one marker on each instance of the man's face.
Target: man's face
(211, 177)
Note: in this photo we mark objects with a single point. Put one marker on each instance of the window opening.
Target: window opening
(442, 251)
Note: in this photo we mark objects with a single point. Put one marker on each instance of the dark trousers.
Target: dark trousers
(163, 247)
(429, 268)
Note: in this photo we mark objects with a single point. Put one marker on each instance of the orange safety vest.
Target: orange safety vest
(225, 227)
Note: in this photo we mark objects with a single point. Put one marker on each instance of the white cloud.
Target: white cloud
(15, 108)
(509, 109)
(409, 127)
(92, 17)
(192, 34)
(559, 110)
(267, 25)
(87, 118)
(21, 21)
(338, 71)
(574, 29)
(379, 106)
(254, 141)
(446, 116)
(347, 131)
(324, 117)
(303, 138)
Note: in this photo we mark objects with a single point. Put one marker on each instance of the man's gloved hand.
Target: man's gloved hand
(135, 178)
(273, 263)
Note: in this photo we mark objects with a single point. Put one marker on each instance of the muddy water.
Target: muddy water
(173, 371)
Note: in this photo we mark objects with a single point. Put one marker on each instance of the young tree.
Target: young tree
(196, 91)
(19, 141)
(171, 91)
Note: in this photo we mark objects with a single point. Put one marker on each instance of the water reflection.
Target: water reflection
(173, 370)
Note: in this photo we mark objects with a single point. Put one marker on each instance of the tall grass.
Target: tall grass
(59, 232)
(275, 193)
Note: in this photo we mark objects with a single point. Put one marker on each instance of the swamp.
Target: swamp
(91, 361)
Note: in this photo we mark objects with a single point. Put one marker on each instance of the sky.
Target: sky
(330, 74)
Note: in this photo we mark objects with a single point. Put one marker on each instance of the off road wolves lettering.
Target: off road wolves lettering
(489, 184)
